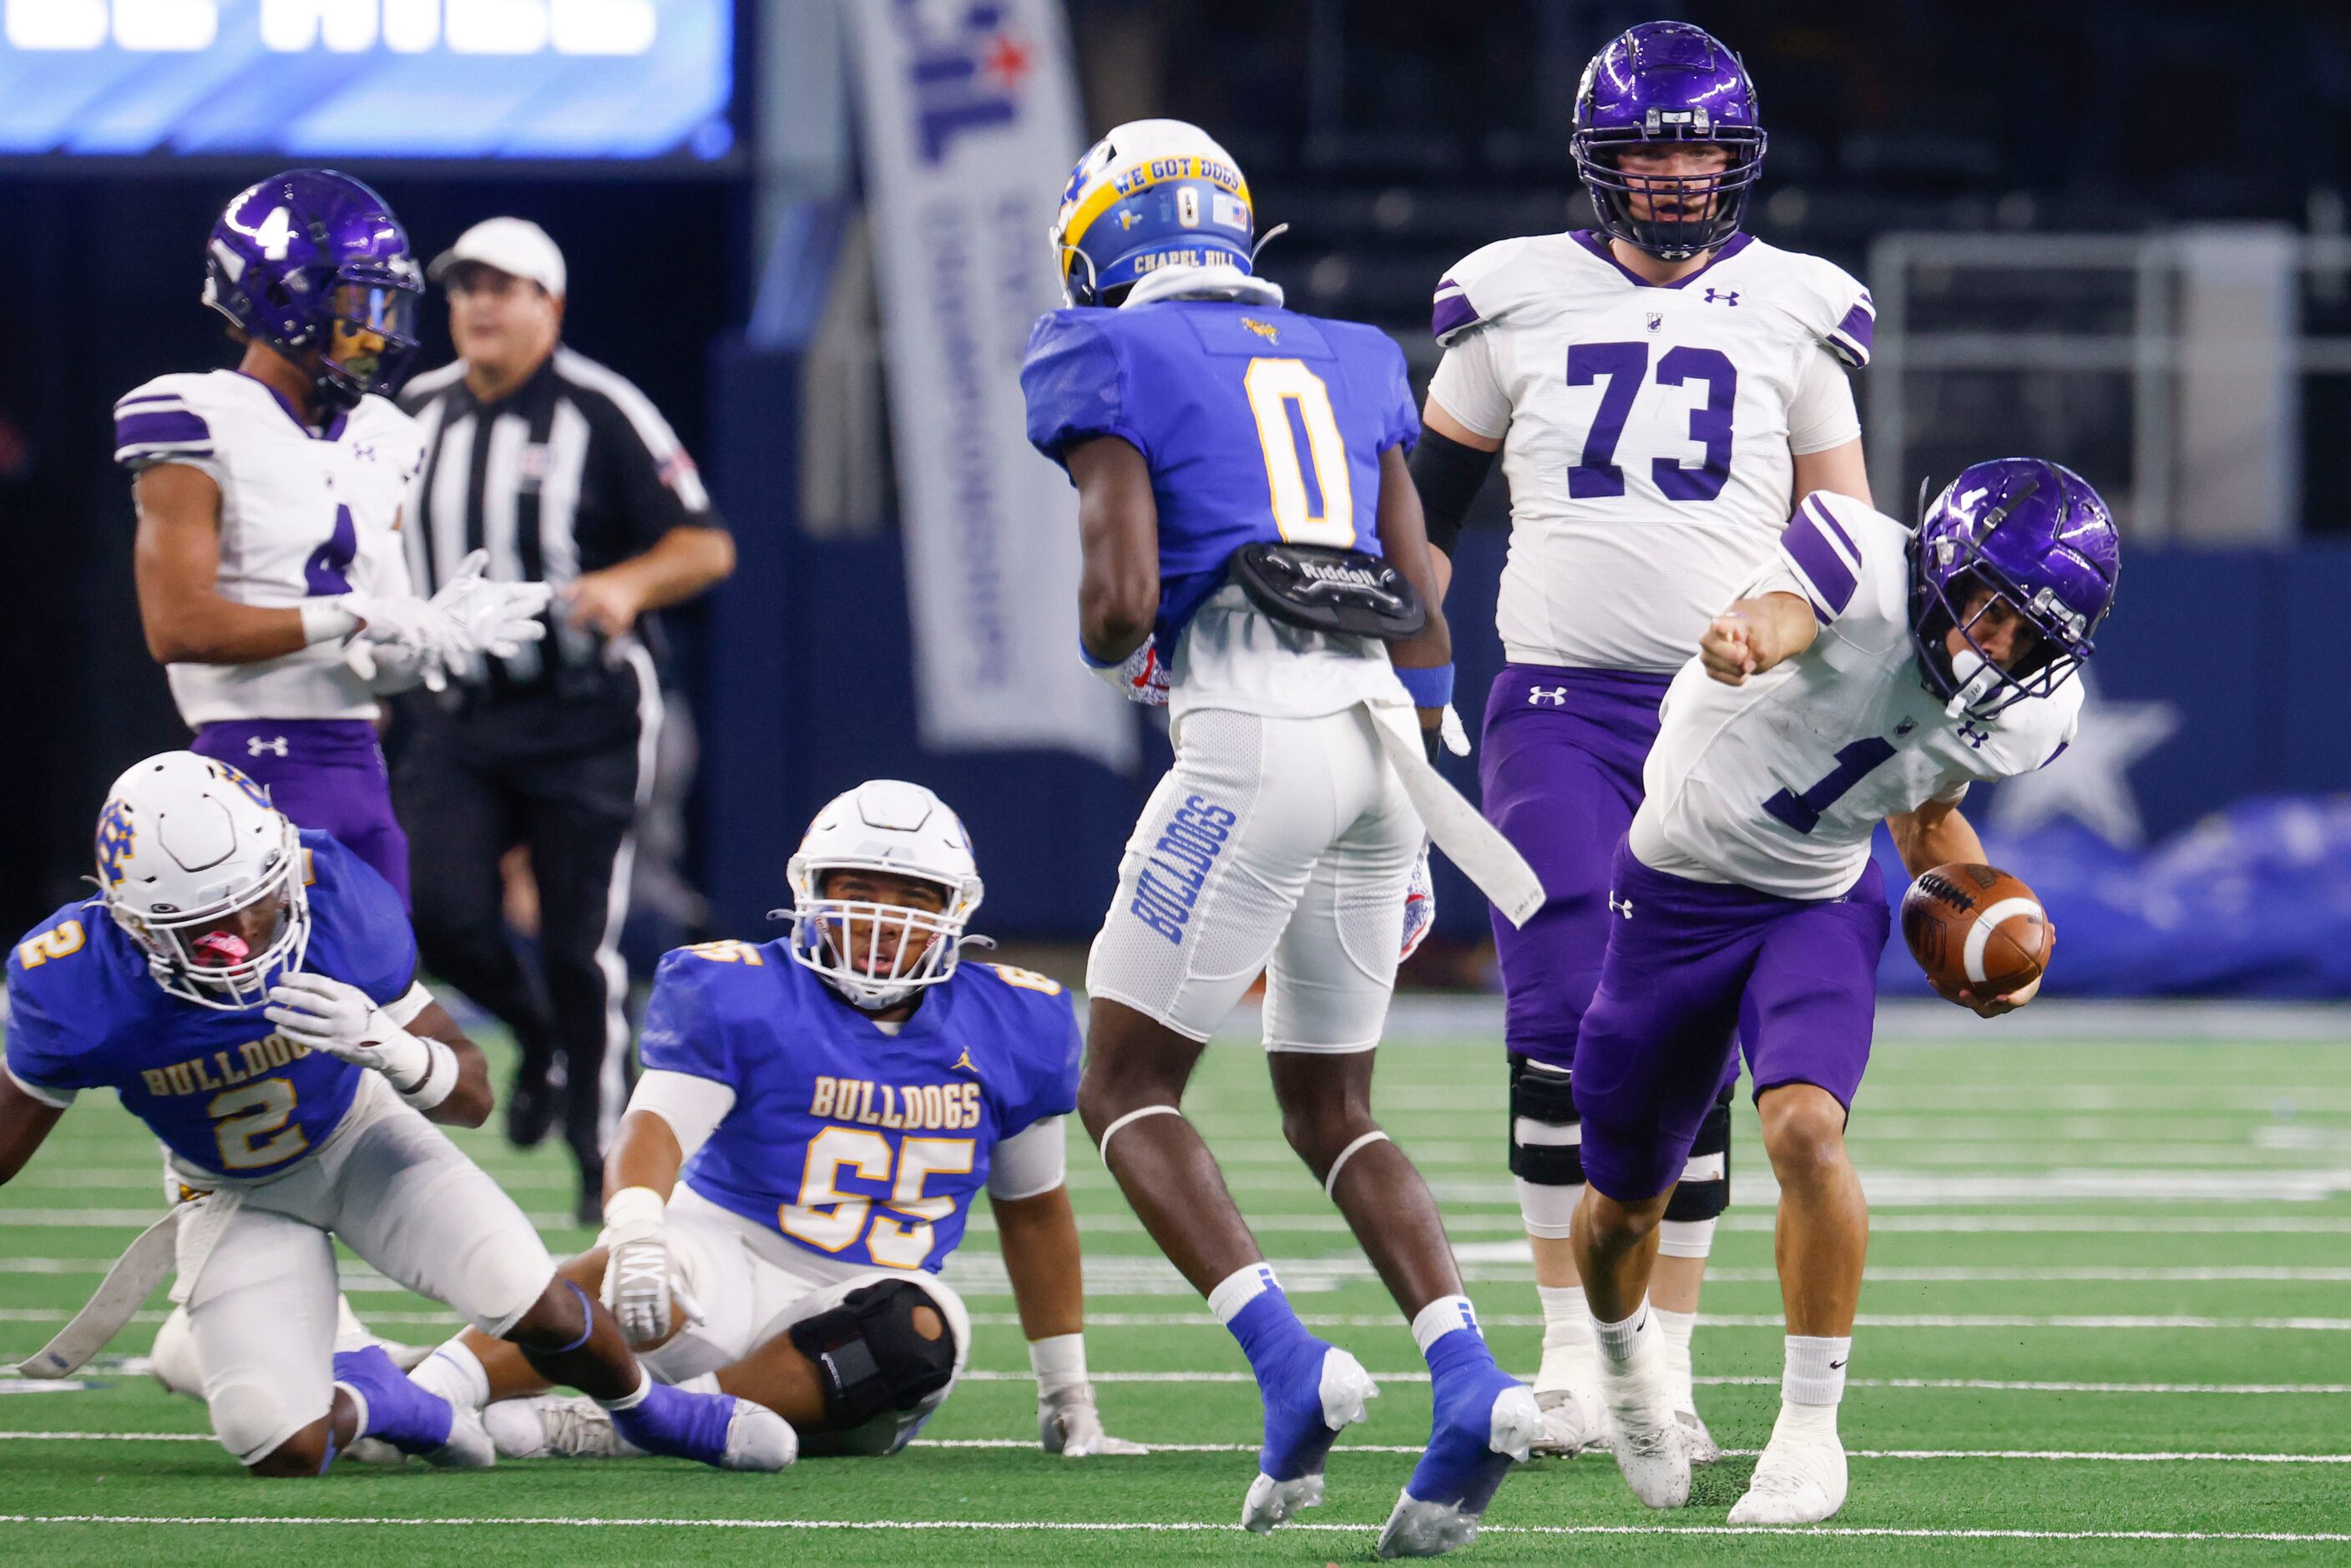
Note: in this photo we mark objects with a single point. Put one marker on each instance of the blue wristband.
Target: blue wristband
(1430, 687)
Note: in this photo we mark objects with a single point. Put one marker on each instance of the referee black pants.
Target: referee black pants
(564, 778)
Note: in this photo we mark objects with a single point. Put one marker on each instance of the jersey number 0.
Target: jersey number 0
(1306, 478)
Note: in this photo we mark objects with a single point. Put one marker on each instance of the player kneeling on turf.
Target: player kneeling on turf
(250, 995)
(1868, 673)
(816, 1115)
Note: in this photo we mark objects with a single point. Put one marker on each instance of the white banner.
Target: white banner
(971, 127)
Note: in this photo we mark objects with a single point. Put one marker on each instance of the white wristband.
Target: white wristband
(327, 621)
(1059, 1363)
(437, 1081)
(633, 1214)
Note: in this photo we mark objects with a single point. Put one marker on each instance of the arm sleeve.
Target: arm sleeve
(1075, 387)
(1821, 414)
(1468, 386)
(406, 1010)
(156, 424)
(1030, 1163)
(682, 1033)
(692, 1106)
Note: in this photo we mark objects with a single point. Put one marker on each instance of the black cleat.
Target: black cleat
(531, 1106)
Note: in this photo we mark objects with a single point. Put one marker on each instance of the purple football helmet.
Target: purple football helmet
(1657, 85)
(2036, 535)
(311, 260)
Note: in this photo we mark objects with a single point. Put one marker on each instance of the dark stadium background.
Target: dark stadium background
(1394, 137)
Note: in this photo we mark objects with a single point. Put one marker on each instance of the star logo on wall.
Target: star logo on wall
(2090, 783)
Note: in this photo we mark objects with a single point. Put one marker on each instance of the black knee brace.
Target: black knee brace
(1541, 1095)
(1704, 1197)
(886, 1347)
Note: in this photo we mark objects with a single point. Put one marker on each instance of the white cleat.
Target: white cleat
(1697, 1441)
(1647, 1441)
(470, 1446)
(1799, 1480)
(374, 1451)
(1433, 1528)
(557, 1426)
(758, 1439)
(1345, 1391)
(1573, 1422)
(1271, 1503)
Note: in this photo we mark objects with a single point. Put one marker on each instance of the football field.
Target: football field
(2107, 1320)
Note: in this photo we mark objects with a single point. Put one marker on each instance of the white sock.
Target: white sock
(1441, 1317)
(456, 1374)
(631, 1401)
(1570, 1359)
(1627, 1347)
(1678, 1327)
(1813, 1373)
(1239, 1289)
(1806, 1423)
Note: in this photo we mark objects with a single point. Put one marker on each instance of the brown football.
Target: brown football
(1977, 927)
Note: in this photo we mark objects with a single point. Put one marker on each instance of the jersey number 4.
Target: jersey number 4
(899, 1236)
(1306, 475)
(1619, 367)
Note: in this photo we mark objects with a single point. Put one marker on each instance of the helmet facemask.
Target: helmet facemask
(200, 954)
(1950, 572)
(1707, 208)
(877, 953)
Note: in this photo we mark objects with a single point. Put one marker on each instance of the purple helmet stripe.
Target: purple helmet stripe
(1453, 310)
(175, 427)
(1818, 564)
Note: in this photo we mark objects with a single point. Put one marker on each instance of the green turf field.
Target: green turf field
(2109, 1320)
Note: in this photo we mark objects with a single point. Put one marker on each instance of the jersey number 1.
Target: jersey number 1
(1305, 457)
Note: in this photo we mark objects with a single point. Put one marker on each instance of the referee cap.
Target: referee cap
(514, 246)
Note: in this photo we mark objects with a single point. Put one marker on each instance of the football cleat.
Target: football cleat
(395, 1410)
(1318, 1393)
(470, 1446)
(1484, 1420)
(1573, 1422)
(1697, 1441)
(716, 1429)
(1801, 1479)
(556, 1425)
(1645, 1435)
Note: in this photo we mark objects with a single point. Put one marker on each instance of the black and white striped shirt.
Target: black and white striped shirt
(573, 471)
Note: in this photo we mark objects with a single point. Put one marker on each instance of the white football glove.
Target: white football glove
(1069, 1424)
(339, 1018)
(1140, 678)
(638, 1285)
(492, 617)
(1419, 905)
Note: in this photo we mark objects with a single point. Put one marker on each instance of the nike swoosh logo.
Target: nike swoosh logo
(1836, 1365)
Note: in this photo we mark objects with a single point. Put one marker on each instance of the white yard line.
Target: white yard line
(1730, 1320)
(1970, 1383)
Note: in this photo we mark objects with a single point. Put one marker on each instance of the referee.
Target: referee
(567, 474)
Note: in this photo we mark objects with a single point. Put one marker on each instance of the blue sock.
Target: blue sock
(1269, 1332)
(409, 1417)
(676, 1422)
(1461, 1349)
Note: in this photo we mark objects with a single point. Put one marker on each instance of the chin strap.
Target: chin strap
(1202, 283)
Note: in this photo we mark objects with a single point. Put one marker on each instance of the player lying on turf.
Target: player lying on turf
(1634, 517)
(816, 1116)
(1210, 431)
(1868, 673)
(248, 990)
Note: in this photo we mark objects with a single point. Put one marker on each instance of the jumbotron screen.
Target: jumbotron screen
(585, 80)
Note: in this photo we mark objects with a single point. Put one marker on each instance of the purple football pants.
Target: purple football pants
(323, 773)
(1559, 768)
(1694, 971)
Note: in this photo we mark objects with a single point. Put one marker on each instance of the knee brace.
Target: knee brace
(888, 1346)
(1705, 1189)
(1546, 1147)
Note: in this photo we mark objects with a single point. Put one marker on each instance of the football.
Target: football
(1975, 927)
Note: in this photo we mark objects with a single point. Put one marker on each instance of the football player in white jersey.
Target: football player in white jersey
(270, 583)
(1661, 393)
(1864, 675)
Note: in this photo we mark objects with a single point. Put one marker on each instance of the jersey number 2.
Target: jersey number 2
(1620, 367)
(900, 1235)
(1305, 457)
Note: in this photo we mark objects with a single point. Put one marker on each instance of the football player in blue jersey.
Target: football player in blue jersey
(1251, 538)
(249, 990)
(816, 1117)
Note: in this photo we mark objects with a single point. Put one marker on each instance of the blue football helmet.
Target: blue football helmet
(1151, 194)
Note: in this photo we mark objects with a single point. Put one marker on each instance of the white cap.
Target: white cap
(513, 245)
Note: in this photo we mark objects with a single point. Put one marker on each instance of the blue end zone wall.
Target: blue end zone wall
(811, 689)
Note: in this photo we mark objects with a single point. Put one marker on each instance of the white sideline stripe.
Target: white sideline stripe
(1172, 1527)
(1722, 1320)
(1973, 1384)
(2052, 1455)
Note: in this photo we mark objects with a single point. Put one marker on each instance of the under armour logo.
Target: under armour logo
(1905, 727)
(362, 452)
(1726, 297)
(1974, 734)
(1556, 696)
(256, 746)
(1625, 909)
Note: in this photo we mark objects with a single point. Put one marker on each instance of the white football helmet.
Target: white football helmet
(883, 825)
(184, 841)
